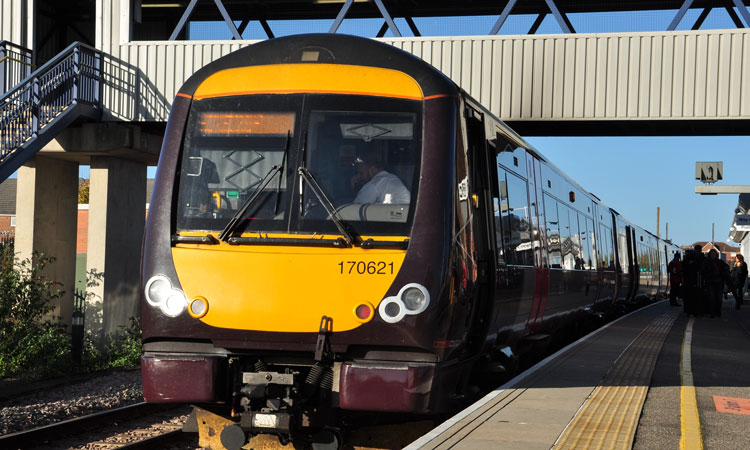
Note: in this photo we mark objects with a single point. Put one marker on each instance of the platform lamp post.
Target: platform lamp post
(711, 172)
(77, 326)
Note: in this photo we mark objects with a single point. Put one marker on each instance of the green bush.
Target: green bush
(31, 341)
(33, 344)
(119, 350)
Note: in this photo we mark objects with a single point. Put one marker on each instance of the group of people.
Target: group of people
(703, 281)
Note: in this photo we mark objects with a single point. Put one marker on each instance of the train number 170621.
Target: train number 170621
(365, 268)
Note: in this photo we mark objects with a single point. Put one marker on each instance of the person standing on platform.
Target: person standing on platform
(739, 277)
(692, 291)
(715, 273)
(675, 279)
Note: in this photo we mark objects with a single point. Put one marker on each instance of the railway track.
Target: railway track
(138, 426)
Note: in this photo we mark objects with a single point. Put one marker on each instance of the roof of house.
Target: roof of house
(8, 195)
(721, 246)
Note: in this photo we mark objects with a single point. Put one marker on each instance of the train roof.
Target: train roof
(330, 48)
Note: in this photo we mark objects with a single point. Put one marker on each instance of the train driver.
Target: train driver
(380, 186)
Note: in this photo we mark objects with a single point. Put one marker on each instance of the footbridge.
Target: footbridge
(103, 102)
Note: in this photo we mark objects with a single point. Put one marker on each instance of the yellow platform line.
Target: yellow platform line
(690, 424)
(609, 417)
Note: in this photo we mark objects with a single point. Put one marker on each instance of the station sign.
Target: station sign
(742, 222)
(709, 172)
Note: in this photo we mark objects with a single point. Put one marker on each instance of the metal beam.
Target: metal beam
(680, 14)
(537, 23)
(503, 16)
(701, 18)
(733, 15)
(743, 11)
(413, 26)
(728, 189)
(387, 17)
(183, 20)
(243, 25)
(340, 17)
(228, 20)
(561, 18)
(382, 30)
(266, 28)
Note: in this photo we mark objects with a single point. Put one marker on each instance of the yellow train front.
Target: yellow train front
(300, 255)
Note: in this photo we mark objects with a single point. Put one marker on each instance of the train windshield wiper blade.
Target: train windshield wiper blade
(327, 205)
(237, 219)
(281, 170)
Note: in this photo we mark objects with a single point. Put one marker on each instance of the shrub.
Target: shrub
(119, 350)
(34, 344)
(31, 341)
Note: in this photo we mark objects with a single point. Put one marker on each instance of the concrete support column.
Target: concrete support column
(117, 209)
(46, 215)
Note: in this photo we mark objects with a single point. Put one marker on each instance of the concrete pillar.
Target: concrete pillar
(46, 214)
(117, 207)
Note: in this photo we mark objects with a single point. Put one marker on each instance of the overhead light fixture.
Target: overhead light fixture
(162, 5)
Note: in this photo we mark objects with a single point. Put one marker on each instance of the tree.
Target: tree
(83, 190)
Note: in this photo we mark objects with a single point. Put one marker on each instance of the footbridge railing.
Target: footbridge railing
(32, 113)
(15, 65)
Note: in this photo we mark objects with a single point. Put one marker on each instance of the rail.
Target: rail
(48, 100)
(79, 427)
(15, 65)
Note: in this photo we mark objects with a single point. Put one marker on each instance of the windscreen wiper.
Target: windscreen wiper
(281, 176)
(237, 219)
(328, 206)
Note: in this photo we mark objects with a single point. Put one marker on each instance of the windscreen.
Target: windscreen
(360, 156)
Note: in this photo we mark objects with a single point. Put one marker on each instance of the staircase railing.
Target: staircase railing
(15, 65)
(71, 79)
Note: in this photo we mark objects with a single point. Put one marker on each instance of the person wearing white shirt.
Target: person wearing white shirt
(380, 186)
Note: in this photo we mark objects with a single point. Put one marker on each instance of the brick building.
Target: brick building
(727, 252)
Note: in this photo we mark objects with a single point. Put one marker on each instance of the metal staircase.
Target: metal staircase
(48, 100)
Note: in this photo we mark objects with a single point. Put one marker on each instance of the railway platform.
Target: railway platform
(654, 379)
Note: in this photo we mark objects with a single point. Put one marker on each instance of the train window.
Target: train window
(585, 255)
(622, 247)
(235, 147)
(515, 219)
(509, 156)
(231, 152)
(593, 260)
(570, 238)
(553, 231)
(365, 162)
(608, 256)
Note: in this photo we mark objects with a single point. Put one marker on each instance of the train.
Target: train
(338, 228)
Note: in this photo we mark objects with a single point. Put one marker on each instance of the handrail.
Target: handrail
(73, 77)
(11, 74)
(59, 57)
(21, 48)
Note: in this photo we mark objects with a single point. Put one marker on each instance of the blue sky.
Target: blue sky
(633, 175)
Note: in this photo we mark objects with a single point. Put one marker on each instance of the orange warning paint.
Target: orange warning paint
(732, 405)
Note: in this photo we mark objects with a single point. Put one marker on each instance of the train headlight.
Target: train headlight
(161, 294)
(392, 310)
(415, 298)
(411, 299)
(158, 289)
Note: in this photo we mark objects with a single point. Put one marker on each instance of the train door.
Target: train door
(538, 244)
(480, 188)
(632, 262)
(663, 272)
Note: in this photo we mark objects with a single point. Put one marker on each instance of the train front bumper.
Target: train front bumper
(386, 386)
(171, 378)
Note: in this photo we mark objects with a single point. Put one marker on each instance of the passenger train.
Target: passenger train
(275, 296)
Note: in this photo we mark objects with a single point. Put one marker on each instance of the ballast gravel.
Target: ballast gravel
(72, 400)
